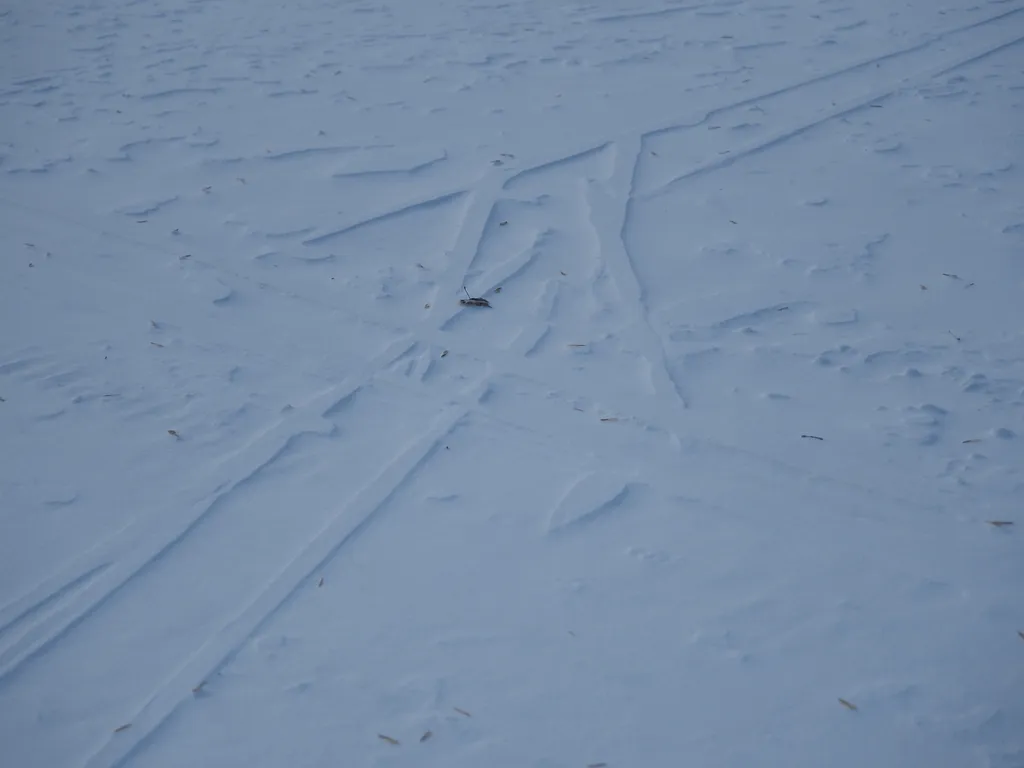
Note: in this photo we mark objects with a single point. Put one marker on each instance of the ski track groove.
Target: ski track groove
(145, 555)
(226, 642)
(615, 248)
(658, 14)
(559, 162)
(837, 73)
(850, 107)
(36, 602)
(423, 204)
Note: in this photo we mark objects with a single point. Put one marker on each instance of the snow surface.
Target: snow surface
(712, 483)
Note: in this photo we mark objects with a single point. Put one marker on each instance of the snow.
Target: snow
(725, 476)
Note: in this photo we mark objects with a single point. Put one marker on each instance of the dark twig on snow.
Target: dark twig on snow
(471, 301)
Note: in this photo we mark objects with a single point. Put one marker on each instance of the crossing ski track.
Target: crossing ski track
(599, 184)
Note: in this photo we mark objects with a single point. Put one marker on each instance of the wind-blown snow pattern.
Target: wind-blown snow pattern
(729, 472)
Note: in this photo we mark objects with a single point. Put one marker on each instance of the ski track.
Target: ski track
(143, 556)
(48, 615)
(487, 195)
(218, 651)
(432, 202)
(848, 108)
(472, 233)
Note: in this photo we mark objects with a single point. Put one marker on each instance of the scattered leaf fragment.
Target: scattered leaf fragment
(1021, 634)
(502, 223)
(563, 273)
(427, 305)
(498, 289)
(597, 765)
(199, 688)
(462, 712)
(924, 287)
(426, 736)
(445, 353)
(124, 727)
(173, 433)
(812, 437)
(388, 739)
(848, 705)
(999, 523)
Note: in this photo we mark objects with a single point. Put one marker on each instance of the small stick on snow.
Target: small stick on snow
(812, 437)
(124, 727)
(471, 301)
(321, 582)
(954, 336)
(848, 705)
(174, 433)
(462, 712)
(388, 739)
(426, 736)
(199, 688)
(999, 523)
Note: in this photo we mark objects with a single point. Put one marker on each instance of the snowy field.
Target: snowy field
(725, 476)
